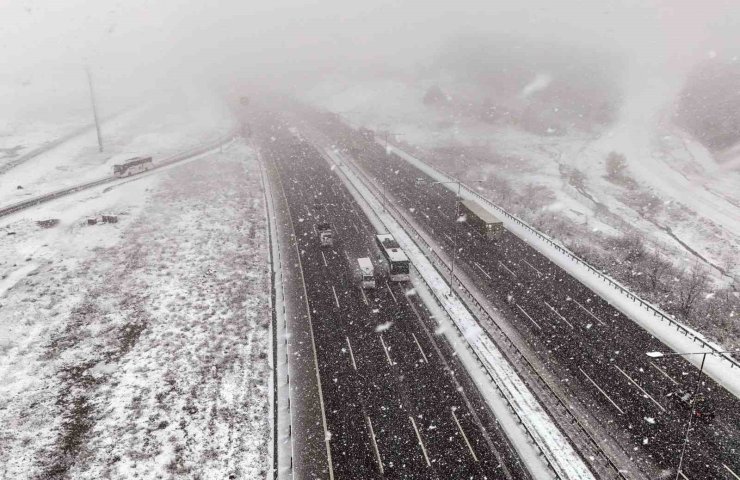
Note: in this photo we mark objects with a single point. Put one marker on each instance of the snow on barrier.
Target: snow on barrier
(724, 369)
(559, 457)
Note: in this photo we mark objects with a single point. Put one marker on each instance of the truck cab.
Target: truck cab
(367, 272)
(325, 234)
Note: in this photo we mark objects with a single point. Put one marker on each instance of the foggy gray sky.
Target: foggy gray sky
(144, 42)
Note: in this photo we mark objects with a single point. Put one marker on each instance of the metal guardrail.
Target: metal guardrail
(661, 315)
(516, 356)
(15, 207)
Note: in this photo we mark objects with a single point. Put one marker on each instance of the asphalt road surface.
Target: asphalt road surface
(397, 403)
(599, 354)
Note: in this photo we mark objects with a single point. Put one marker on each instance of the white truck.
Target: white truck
(325, 233)
(366, 271)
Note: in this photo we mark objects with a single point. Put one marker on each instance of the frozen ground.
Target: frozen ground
(139, 349)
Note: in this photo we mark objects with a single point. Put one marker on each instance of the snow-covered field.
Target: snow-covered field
(139, 349)
(157, 129)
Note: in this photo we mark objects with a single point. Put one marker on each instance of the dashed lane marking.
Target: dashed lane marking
(602, 391)
(336, 299)
(421, 442)
(641, 389)
(662, 372)
(507, 269)
(558, 314)
(481, 269)
(465, 437)
(364, 296)
(391, 291)
(351, 354)
(324, 257)
(420, 350)
(533, 267)
(375, 444)
(589, 312)
(731, 472)
(530, 318)
(385, 349)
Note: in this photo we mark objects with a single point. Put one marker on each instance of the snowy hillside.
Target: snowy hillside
(662, 193)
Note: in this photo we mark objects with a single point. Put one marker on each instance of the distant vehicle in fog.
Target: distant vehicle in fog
(132, 166)
(481, 219)
(325, 234)
(367, 134)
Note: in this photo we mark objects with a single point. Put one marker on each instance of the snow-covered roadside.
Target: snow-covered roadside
(510, 391)
(719, 367)
(140, 348)
(156, 130)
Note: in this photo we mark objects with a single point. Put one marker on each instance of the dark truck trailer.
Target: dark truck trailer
(132, 166)
(481, 219)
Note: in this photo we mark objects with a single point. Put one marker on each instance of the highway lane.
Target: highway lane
(397, 403)
(599, 353)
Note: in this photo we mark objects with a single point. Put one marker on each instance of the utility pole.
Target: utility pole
(95, 109)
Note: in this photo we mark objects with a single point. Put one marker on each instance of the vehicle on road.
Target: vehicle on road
(702, 408)
(367, 272)
(325, 233)
(367, 134)
(398, 262)
(132, 166)
(481, 219)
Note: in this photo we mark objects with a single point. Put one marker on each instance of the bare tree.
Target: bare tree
(655, 270)
(691, 285)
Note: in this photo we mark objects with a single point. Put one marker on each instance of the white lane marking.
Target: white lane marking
(638, 386)
(465, 437)
(389, 289)
(420, 350)
(684, 476)
(589, 312)
(351, 354)
(507, 269)
(448, 237)
(602, 391)
(356, 229)
(558, 314)
(421, 443)
(375, 444)
(385, 349)
(530, 318)
(733, 473)
(364, 297)
(313, 349)
(663, 372)
(481, 269)
(459, 387)
(533, 267)
(336, 299)
(324, 257)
